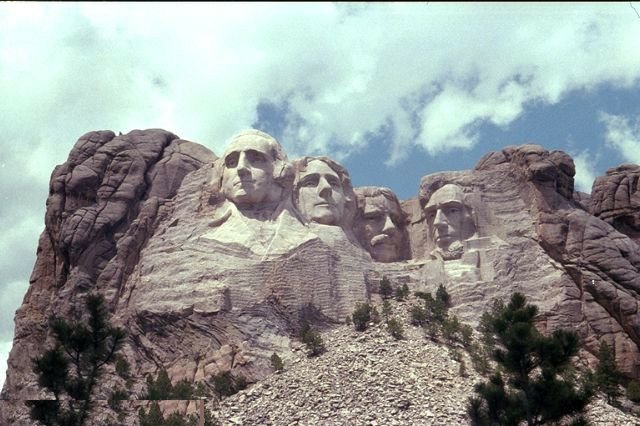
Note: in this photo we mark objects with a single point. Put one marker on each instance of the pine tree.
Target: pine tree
(607, 376)
(72, 368)
(385, 288)
(535, 390)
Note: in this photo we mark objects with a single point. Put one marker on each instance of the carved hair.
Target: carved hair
(364, 192)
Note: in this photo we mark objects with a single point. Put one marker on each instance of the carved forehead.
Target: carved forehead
(254, 141)
(449, 193)
(319, 167)
(380, 203)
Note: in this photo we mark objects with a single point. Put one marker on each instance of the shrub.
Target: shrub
(122, 367)
(633, 391)
(225, 384)
(312, 339)
(395, 328)
(361, 316)
(402, 292)
(386, 310)
(385, 288)
(375, 315)
(442, 296)
(418, 315)
(276, 362)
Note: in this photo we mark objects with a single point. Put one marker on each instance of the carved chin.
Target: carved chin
(384, 248)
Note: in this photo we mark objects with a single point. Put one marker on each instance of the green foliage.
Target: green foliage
(385, 288)
(418, 315)
(402, 292)
(276, 362)
(536, 391)
(361, 316)
(116, 396)
(155, 417)
(450, 329)
(72, 368)
(633, 391)
(386, 310)
(395, 328)
(226, 384)
(375, 315)
(122, 367)
(442, 296)
(161, 388)
(312, 339)
(607, 377)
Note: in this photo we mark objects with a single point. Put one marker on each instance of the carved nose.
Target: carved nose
(243, 163)
(324, 188)
(389, 226)
(440, 219)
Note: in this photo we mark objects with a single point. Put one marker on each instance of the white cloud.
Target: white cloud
(585, 171)
(431, 72)
(623, 134)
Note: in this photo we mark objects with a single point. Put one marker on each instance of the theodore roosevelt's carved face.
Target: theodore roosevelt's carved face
(382, 219)
(320, 195)
(247, 176)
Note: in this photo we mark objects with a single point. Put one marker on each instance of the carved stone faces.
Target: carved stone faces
(380, 223)
(449, 220)
(248, 169)
(320, 196)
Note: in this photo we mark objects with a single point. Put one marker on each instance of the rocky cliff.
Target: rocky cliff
(210, 271)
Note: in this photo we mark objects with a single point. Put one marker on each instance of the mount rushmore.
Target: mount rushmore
(209, 262)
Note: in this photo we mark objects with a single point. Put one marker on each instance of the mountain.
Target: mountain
(212, 264)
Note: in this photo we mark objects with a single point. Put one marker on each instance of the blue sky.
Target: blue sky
(394, 91)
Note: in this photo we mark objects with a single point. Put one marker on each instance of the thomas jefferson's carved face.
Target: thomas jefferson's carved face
(383, 235)
(247, 176)
(446, 216)
(320, 194)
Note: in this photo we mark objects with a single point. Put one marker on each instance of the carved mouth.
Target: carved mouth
(380, 239)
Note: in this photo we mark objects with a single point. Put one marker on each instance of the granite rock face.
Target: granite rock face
(212, 264)
(615, 199)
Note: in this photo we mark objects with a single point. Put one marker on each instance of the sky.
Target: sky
(393, 91)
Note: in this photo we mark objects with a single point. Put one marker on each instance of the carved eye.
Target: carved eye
(452, 210)
(309, 181)
(255, 157)
(333, 181)
(231, 160)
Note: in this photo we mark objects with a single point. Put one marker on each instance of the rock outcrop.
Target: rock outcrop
(212, 264)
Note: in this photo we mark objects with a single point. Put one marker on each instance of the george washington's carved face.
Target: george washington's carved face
(247, 176)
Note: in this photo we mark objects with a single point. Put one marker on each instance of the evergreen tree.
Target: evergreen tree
(535, 390)
(607, 376)
(361, 316)
(276, 362)
(385, 288)
(312, 339)
(71, 370)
